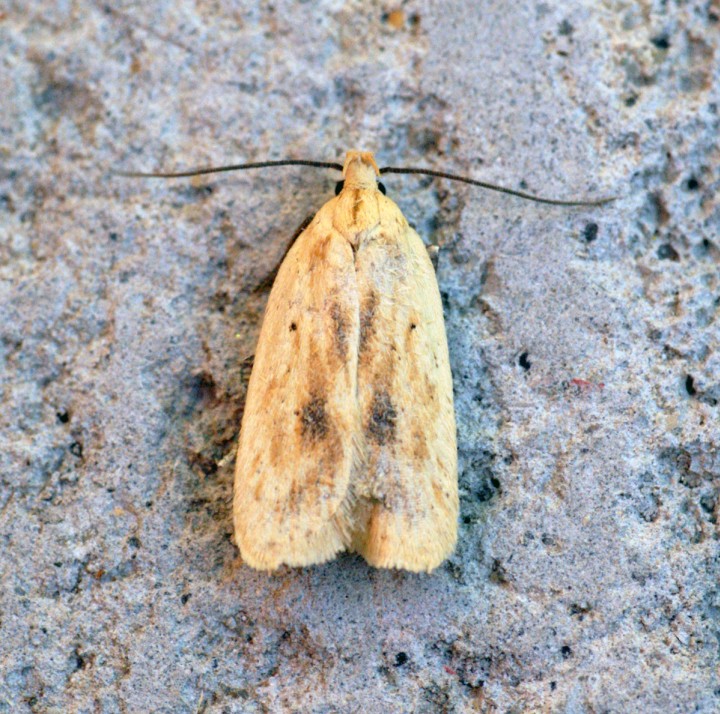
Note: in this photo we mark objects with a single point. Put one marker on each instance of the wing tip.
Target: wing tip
(400, 551)
(293, 552)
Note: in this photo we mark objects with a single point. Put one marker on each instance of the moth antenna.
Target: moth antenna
(383, 170)
(494, 187)
(231, 167)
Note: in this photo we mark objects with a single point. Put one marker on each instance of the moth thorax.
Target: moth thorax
(360, 170)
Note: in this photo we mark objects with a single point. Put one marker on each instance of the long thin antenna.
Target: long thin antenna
(384, 170)
(494, 187)
(232, 167)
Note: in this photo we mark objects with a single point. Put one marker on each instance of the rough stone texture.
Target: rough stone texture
(584, 347)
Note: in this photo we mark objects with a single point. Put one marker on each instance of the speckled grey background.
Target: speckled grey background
(584, 348)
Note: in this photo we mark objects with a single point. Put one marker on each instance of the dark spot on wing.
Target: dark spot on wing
(340, 326)
(381, 425)
(411, 338)
(293, 327)
(313, 420)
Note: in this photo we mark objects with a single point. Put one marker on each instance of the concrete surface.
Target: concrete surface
(584, 346)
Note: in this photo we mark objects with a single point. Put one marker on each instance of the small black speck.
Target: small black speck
(412, 325)
(631, 100)
(662, 42)
(184, 598)
(565, 28)
(524, 362)
(113, 236)
(134, 542)
(486, 491)
(590, 232)
(692, 184)
(667, 252)
(63, 416)
(580, 609)
(76, 449)
(400, 659)
(708, 502)
(553, 686)
(690, 385)
(498, 573)
(566, 651)
(79, 660)
(293, 327)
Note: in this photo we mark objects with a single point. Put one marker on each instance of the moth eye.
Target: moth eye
(339, 187)
(381, 186)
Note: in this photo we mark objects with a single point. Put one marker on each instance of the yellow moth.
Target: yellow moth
(348, 437)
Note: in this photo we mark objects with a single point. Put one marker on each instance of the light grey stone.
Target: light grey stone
(584, 346)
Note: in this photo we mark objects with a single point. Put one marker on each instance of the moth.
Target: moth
(348, 436)
(348, 439)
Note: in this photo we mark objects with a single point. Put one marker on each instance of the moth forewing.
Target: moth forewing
(296, 441)
(348, 437)
(405, 401)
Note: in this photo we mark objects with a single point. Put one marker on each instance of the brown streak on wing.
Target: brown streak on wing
(357, 204)
(367, 317)
(340, 332)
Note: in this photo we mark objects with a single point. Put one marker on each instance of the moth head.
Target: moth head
(360, 170)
